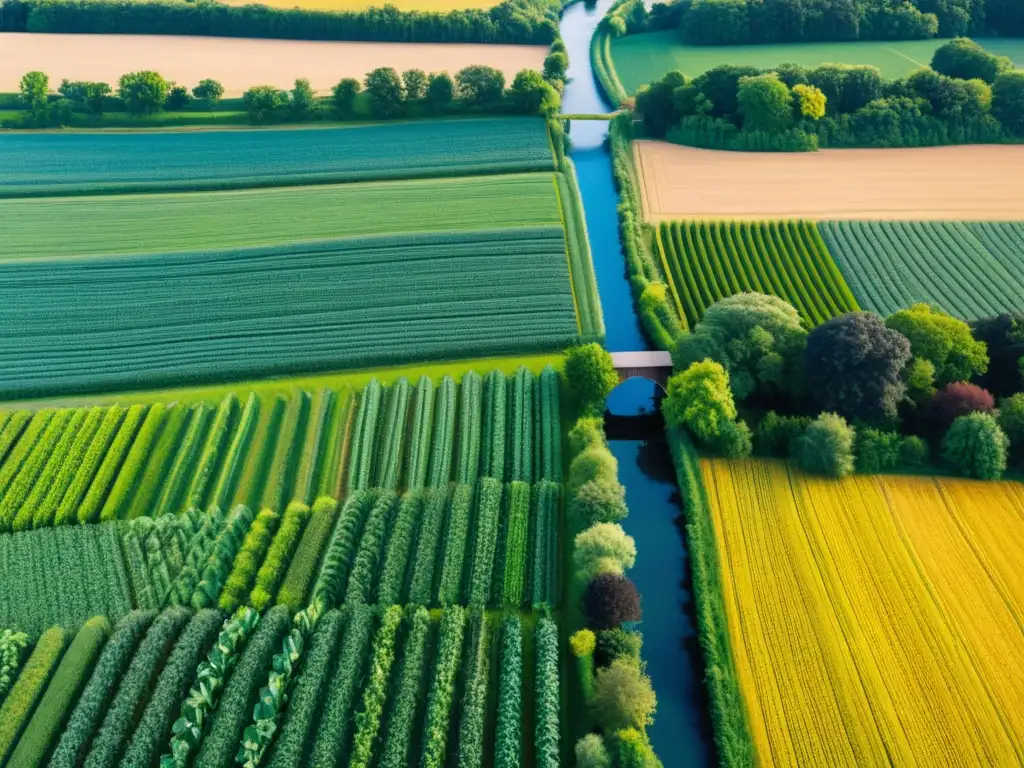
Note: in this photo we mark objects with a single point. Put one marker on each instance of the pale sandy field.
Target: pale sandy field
(963, 183)
(240, 63)
(359, 5)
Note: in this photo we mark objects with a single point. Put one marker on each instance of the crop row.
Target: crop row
(969, 269)
(709, 260)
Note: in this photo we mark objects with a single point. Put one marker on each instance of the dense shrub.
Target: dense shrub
(609, 600)
(700, 400)
(956, 400)
(975, 446)
(1008, 101)
(22, 698)
(591, 752)
(944, 341)
(877, 451)
(245, 565)
(442, 688)
(1011, 421)
(596, 463)
(914, 452)
(582, 644)
(585, 432)
(598, 502)
(547, 722)
(623, 697)
(591, 376)
(409, 692)
(965, 59)
(617, 643)
(302, 569)
(777, 435)
(71, 674)
(602, 548)
(827, 446)
(99, 691)
(633, 750)
(508, 738)
(1003, 335)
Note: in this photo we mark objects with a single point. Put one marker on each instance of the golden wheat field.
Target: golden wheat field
(875, 620)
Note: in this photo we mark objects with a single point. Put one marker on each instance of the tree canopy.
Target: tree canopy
(623, 697)
(143, 93)
(975, 446)
(965, 59)
(944, 341)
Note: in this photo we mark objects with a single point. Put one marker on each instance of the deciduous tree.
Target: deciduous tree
(143, 93)
(623, 697)
(975, 446)
(609, 600)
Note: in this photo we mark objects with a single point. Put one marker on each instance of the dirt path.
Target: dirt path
(965, 183)
(240, 63)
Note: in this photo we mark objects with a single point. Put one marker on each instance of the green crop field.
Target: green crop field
(707, 261)
(640, 59)
(971, 270)
(76, 163)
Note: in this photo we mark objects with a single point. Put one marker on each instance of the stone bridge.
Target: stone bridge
(655, 366)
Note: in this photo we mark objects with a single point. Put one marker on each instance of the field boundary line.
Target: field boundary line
(904, 56)
(568, 256)
(668, 275)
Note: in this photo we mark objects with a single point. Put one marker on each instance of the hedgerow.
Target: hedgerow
(116, 505)
(87, 715)
(234, 711)
(246, 563)
(173, 497)
(227, 545)
(424, 563)
(279, 555)
(546, 698)
(12, 648)
(360, 470)
(89, 511)
(375, 693)
(237, 452)
(156, 466)
(27, 514)
(371, 549)
(302, 570)
(508, 736)
(492, 449)
(287, 453)
(389, 467)
(46, 511)
(341, 552)
(486, 525)
(470, 415)
(133, 692)
(342, 688)
(301, 717)
(307, 478)
(442, 687)
(449, 591)
(154, 728)
(444, 434)
(513, 562)
(474, 702)
(419, 434)
(18, 706)
(204, 694)
(216, 443)
(399, 546)
(408, 693)
(21, 486)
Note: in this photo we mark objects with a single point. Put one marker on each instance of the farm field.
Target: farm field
(708, 261)
(240, 63)
(436, 6)
(871, 619)
(945, 183)
(41, 164)
(969, 269)
(641, 59)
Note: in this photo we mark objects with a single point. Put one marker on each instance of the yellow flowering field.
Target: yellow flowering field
(876, 619)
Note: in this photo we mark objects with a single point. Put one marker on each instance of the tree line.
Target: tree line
(968, 95)
(389, 95)
(737, 22)
(512, 21)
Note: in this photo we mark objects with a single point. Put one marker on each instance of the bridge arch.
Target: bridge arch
(653, 365)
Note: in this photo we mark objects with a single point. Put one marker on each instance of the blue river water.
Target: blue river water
(681, 733)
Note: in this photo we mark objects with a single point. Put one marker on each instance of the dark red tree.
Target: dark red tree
(955, 400)
(610, 600)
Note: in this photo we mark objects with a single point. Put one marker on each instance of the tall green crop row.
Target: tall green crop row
(46, 510)
(338, 560)
(474, 702)
(146, 497)
(460, 509)
(29, 513)
(408, 693)
(279, 555)
(424, 563)
(253, 481)
(135, 687)
(246, 564)
(331, 461)
(329, 747)
(89, 708)
(546, 703)
(508, 735)
(154, 727)
(235, 452)
(513, 562)
(317, 436)
(419, 447)
(519, 462)
(21, 486)
(470, 416)
(360, 470)
(444, 434)
(12, 649)
(392, 438)
(197, 553)
(156, 550)
(551, 427)
(442, 688)
(303, 567)
(226, 547)
(488, 520)
(174, 497)
(14, 424)
(543, 576)
(210, 678)
(212, 452)
(371, 549)
(281, 477)
(21, 701)
(89, 511)
(492, 450)
(371, 714)
(399, 546)
(300, 719)
(116, 505)
(23, 448)
(234, 710)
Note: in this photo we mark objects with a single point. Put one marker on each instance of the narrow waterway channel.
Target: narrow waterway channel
(681, 733)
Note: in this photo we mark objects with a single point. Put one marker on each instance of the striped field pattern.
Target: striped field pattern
(969, 269)
(873, 619)
(710, 260)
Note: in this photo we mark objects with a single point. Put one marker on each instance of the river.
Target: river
(681, 733)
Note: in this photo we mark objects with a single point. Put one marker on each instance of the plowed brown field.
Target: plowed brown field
(240, 63)
(961, 183)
